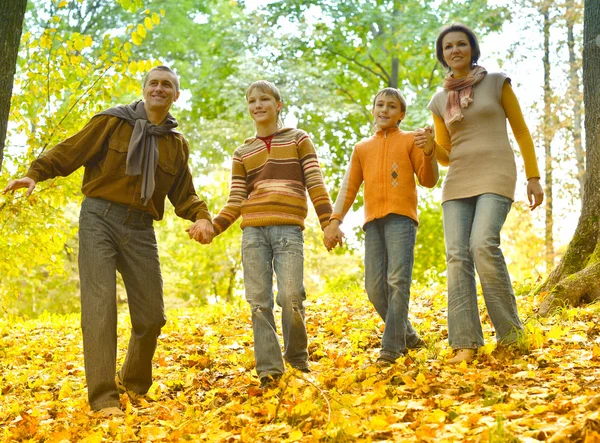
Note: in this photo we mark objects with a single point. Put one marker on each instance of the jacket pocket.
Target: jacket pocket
(116, 157)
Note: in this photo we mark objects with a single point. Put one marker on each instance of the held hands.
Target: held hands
(24, 182)
(202, 231)
(333, 235)
(424, 140)
(535, 193)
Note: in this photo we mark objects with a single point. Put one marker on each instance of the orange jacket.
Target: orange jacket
(387, 163)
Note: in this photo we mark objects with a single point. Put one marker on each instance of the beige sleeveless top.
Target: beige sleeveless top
(481, 160)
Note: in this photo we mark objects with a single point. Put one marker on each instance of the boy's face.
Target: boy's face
(387, 112)
(263, 107)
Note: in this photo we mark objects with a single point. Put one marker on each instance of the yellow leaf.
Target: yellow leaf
(408, 380)
(295, 435)
(148, 23)
(156, 18)
(133, 67)
(378, 423)
(141, 30)
(421, 379)
(78, 44)
(162, 12)
(62, 4)
(136, 39)
(557, 332)
(596, 353)
(437, 416)
(65, 391)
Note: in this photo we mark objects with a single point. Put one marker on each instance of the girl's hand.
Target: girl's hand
(535, 193)
(333, 235)
(424, 140)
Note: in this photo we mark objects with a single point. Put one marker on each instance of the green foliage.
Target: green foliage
(194, 272)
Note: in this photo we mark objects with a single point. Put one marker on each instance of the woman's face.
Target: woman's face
(457, 52)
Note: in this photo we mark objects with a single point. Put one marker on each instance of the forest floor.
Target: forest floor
(205, 387)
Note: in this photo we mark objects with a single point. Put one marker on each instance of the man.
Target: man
(133, 159)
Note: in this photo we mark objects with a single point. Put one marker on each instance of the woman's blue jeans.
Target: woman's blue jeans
(472, 232)
(389, 258)
(281, 249)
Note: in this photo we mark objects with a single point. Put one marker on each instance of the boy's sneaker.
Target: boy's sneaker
(269, 381)
(124, 390)
(418, 345)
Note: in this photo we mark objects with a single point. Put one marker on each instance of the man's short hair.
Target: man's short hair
(162, 68)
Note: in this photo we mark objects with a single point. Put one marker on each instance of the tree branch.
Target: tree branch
(353, 60)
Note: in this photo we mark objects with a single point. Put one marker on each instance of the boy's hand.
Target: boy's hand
(333, 235)
(202, 231)
(424, 140)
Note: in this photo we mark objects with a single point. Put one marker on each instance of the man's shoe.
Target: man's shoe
(269, 381)
(384, 362)
(110, 412)
(418, 345)
(124, 390)
(304, 369)
(462, 355)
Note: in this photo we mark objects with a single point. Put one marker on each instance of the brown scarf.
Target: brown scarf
(142, 155)
(460, 93)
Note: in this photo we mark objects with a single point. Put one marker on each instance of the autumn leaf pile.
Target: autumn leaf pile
(206, 389)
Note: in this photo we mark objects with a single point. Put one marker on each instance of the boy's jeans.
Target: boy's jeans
(472, 231)
(278, 248)
(113, 238)
(389, 257)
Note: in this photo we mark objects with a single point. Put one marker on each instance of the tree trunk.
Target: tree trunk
(11, 26)
(577, 112)
(547, 134)
(576, 280)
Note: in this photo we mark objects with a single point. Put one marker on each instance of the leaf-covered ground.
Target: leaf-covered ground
(206, 390)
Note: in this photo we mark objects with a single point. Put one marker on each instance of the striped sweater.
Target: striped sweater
(269, 183)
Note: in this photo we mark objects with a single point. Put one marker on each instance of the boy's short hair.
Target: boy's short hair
(395, 93)
(264, 86)
(162, 68)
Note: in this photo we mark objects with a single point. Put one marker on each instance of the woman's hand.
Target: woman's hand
(535, 193)
(424, 140)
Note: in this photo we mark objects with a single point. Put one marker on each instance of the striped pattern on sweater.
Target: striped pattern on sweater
(268, 186)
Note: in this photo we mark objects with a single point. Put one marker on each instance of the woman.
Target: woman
(471, 135)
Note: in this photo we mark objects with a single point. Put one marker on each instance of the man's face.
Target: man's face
(160, 91)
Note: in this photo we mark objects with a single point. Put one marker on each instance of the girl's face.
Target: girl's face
(387, 111)
(263, 107)
(457, 52)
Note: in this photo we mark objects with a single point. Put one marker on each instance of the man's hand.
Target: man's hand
(333, 235)
(202, 231)
(535, 193)
(24, 182)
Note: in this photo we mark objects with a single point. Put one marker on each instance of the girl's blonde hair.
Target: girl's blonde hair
(268, 88)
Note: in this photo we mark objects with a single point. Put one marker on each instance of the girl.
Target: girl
(470, 126)
(270, 175)
(387, 163)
